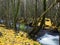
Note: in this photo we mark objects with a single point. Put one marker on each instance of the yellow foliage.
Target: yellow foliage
(9, 38)
(48, 22)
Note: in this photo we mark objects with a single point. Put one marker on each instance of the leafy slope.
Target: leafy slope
(10, 38)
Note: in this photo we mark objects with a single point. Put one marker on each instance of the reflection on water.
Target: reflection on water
(48, 39)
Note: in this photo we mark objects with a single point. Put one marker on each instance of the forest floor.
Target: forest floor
(9, 37)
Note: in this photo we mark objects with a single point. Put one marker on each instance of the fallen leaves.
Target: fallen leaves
(10, 38)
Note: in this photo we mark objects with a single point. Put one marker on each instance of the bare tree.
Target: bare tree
(15, 13)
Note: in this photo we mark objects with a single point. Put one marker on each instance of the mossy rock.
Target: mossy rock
(22, 26)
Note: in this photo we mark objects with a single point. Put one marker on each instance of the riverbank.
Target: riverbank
(9, 37)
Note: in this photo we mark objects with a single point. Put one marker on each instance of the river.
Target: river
(49, 38)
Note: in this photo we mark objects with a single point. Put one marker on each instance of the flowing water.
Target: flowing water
(49, 38)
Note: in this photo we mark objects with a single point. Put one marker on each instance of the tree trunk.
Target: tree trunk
(37, 29)
(15, 15)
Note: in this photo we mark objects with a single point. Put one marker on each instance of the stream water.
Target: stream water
(49, 38)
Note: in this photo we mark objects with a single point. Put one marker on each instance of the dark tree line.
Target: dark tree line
(11, 11)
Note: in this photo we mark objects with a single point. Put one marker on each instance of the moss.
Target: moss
(34, 44)
(22, 26)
